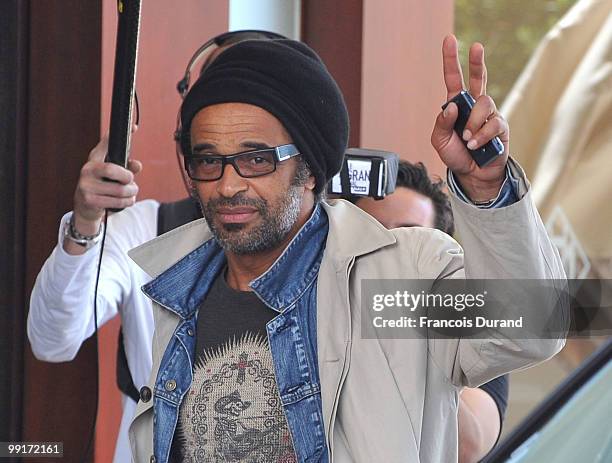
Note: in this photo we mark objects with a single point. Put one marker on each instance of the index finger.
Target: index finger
(453, 77)
(109, 171)
(100, 150)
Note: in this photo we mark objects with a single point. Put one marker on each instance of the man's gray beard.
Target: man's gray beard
(274, 227)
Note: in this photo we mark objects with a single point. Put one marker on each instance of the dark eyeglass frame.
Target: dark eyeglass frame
(280, 153)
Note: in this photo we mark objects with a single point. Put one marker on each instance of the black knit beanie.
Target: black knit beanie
(287, 79)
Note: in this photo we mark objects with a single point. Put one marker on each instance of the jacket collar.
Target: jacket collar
(353, 232)
(161, 253)
(185, 261)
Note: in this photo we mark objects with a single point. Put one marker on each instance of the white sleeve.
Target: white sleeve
(61, 304)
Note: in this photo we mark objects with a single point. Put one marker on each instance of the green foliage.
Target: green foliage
(510, 31)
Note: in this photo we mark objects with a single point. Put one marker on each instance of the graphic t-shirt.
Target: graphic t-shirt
(233, 412)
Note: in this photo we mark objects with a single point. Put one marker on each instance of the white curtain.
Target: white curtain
(560, 114)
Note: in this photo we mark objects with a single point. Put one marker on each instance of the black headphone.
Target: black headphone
(206, 51)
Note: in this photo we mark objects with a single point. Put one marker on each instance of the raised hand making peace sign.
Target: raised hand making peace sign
(484, 123)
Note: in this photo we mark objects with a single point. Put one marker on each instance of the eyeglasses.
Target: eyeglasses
(248, 164)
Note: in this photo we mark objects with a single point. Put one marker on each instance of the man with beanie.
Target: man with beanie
(257, 352)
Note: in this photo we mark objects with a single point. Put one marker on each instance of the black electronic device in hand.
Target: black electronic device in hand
(124, 81)
(486, 153)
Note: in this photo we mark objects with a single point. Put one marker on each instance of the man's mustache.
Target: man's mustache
(236, 201)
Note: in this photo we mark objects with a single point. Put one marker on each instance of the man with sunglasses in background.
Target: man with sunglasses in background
(257, 352)
(61, 311)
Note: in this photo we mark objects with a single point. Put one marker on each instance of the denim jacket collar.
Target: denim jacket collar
(182, 287)
(297, 267)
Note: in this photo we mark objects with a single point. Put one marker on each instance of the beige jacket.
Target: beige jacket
(390, 400)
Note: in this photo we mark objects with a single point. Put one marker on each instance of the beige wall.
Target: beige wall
(402, 87)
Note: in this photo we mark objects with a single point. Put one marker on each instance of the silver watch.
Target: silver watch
(86, 241)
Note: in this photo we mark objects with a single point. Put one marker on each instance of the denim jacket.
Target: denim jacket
(289, 288)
